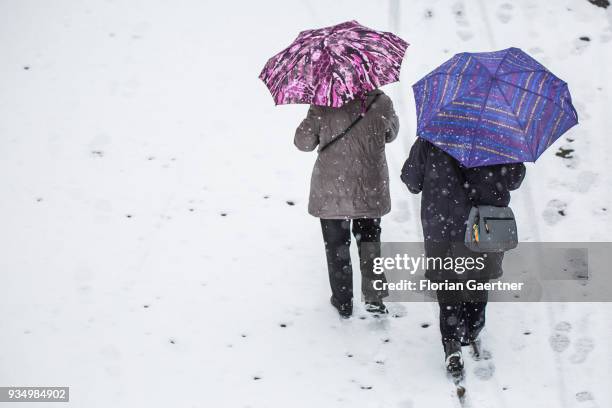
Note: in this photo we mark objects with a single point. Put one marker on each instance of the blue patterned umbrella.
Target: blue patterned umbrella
(493, 107)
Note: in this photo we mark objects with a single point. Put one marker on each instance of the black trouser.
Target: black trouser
(462, 316)
(337, 237)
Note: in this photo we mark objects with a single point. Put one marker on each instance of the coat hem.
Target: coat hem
(350, 217)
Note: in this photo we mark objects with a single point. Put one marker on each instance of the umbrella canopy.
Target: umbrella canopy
(333, 65)
(493, 107)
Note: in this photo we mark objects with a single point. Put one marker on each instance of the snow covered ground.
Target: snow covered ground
(156, 250)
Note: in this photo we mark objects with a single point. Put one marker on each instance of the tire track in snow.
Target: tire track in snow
(529, 208)
(404, 137)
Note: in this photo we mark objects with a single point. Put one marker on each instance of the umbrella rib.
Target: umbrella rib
(445, 73)
(451, 101)
(486, 69)
(522, 72)
(484, 105)
(518, 120)
(278, 61)
(534, 93)
(282, 77)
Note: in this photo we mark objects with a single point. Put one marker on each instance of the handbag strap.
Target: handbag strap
(351, 126)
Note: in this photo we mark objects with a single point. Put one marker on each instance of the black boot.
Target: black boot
(454, 360)
(376, 308)
(476, 350)
(344, 309)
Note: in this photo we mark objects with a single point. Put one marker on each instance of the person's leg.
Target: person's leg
(367, 234)
(451, 317)
(475, 310)
(451, 328)
(337, 238)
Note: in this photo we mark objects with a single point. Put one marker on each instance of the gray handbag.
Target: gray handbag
(491, 229)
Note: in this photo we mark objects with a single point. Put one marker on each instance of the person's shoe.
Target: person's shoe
(478, 352)
(344, 309)
(476, 349)
(377, 308)
(454, 360)
(454, 363)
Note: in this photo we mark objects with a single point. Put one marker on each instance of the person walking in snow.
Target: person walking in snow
(448, 192)
(350, 185)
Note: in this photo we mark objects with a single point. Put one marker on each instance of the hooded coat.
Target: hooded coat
(350, 178)
(448, 192)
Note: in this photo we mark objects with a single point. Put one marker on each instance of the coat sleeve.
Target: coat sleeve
(413, 171)
(391, 121)
(515, 174)
(307, 134)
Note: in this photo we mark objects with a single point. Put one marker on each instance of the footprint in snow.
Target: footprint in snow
(559, 341)
(563, 326)
(583, 396)
(585, 180)
(464, 32)
(504, 13)
(484, 371)
(581, 44)
(586, 399)
(583, 347)
(576, 264)
(554, 212)
(405, 404)
(485, 355)
(379, 323)
(459, 12)
(601, 211)
(396, 310)
(568, 154)
(536, 50)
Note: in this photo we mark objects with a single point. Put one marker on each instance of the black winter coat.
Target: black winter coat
(448, 193)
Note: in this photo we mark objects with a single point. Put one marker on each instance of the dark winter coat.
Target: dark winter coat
(350, 178)
(448, 193)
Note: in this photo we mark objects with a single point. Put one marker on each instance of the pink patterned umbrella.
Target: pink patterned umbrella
(333, 65)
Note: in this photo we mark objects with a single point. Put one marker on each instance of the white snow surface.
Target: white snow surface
(149, 257)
